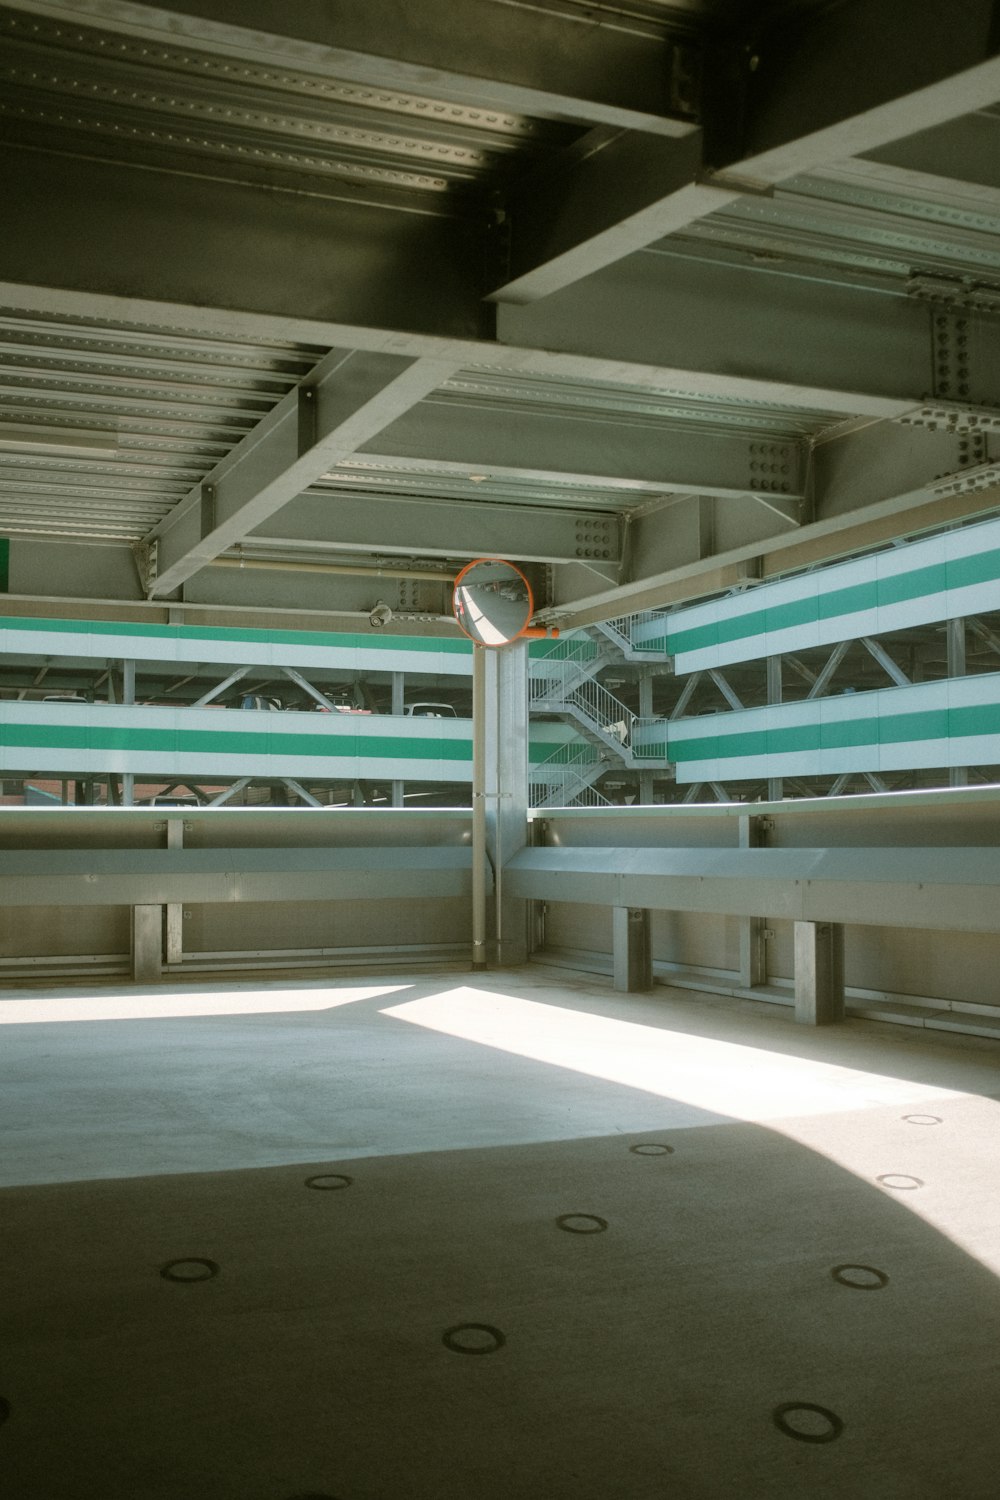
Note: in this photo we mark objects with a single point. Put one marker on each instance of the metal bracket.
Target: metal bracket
(146, 555)
(981, 477)
(952, 416)
(962, 294)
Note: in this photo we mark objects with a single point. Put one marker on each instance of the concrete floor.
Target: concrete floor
(645, 1349)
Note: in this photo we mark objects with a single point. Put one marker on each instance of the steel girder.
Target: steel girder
(499, 57)
(173, 246)
(346, 400)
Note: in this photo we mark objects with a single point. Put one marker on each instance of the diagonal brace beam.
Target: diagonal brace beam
(883, 658)
(348, 398)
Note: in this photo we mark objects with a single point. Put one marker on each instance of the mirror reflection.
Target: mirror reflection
(492, 601)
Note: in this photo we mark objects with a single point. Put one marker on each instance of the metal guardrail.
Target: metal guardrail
(649, 740)
(622, 631)
(564, 778)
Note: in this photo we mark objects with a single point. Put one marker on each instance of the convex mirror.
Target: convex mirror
(492, 601)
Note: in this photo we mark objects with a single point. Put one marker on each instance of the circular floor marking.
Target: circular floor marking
(473, 1338)
(582, 1223)
(190, 1268)
(861, 1278)
(807, 1422)
(901, 1182)
(328, 1182)
(923, 1119)
(652, 1148)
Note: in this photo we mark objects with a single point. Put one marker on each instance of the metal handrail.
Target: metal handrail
(560, 770)
(606, 713)
(643, 749)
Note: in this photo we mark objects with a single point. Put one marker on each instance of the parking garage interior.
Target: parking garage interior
(560, 1070)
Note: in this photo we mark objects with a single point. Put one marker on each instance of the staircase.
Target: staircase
(563, 680)
(622, 632)
(564, 778)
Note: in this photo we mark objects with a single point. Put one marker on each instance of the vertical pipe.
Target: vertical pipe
(478, 806)
(775, 784)
(128, 696)
(398, 699)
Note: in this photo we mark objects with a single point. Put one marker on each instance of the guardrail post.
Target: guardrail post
(819, 973)
(633, 957)
(147, 944)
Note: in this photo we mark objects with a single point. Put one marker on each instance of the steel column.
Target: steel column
(507, 789)
(479, 723)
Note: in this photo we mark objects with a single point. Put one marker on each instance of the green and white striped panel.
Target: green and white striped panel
(204, 742)
(951, 723)
(953, 574)
(226, 646)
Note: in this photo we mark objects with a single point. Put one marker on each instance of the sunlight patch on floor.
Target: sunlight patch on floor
(723, 1078)
(158, 1005)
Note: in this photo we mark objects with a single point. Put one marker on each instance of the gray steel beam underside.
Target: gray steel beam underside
(347, 399)
(540, 63)
(808, 102)
(779, 304)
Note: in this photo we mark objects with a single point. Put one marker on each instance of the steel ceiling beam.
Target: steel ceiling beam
(522, 59)
(209, 243)
(347, 523)
(347, 399)
(865, 346)
(606, 450)
(865, 487)
(831, 83)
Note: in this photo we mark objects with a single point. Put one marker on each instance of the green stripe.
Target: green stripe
(4, 564)
(206, 742)
(246, 742)
(919, 583)
(327, 639)
(893, 729)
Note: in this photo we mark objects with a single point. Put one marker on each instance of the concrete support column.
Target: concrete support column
(819, 973)
(506, 697)
(633, 956)
(147, 944)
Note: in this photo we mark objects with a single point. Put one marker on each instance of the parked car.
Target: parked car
(257, 700)
(431, 711)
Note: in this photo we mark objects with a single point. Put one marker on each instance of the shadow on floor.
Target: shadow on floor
(643, 1360)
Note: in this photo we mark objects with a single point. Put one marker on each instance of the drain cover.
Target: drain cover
(473, 1338)
(191, 1268)
(807, 1422)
